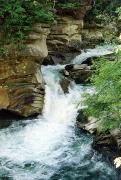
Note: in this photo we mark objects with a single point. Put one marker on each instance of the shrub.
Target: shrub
(105, 103)
(17, 17)
(118, 11)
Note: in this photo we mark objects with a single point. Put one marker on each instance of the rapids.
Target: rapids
(51, 147)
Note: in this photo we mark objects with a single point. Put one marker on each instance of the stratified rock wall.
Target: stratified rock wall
(21, 82)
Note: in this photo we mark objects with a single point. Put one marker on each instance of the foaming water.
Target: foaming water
(98, 51)
(50, 147)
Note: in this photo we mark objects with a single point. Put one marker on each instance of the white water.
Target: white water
(98, 51)
(45, 139)
(48, 147)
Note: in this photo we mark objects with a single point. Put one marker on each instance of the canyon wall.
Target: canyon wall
(21, 82)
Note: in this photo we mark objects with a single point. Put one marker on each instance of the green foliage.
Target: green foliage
(118, 11)
(3, 52)
(105, 102)
(69, 5)
(103, 12)
(17, 17)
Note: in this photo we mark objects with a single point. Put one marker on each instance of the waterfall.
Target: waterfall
(98, 51)
(50, 147)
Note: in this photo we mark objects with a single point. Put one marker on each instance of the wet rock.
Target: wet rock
(116, 133)
(48, 61)
(66, 73)
(7, 117)
(106, 144)
(65, 84)
(78, 73)
(81, 118)
(56, 58)
(90, 124)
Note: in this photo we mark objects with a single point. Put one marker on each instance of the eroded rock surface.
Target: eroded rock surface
(21, 82)
(78, 73)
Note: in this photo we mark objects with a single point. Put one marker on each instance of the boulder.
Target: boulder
(116, 133)
(48, 61)
(89, 124)
(106, 144)
(65, 84)
(92, 125)
(78, 73)
(81, 118)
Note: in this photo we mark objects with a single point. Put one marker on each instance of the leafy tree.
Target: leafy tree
(118, 11)
(17, 17)
(105, 102)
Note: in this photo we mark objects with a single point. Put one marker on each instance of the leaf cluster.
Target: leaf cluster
(69, 5)
(103, 12)
(118, 11)
(17, 17)
(105, 102)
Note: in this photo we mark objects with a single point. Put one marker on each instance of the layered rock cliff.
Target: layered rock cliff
(21, 82)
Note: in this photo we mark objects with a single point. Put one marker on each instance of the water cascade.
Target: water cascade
(98, 51)
(50, 147)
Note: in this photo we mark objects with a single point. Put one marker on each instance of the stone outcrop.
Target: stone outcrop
(93, 34)
(36, 45)
(106, 144)
(64, 83)
(116, 133)
(69, 35)
(78, 73)
(21, 83)
(109, 143)
(65, 38)
(4, 99)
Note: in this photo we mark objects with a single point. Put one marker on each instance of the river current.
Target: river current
(51, 147)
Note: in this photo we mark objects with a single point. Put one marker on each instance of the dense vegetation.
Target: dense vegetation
(105, 102)
(17, 16)
(104, 12)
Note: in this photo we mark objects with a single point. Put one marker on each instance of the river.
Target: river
(51, 147)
